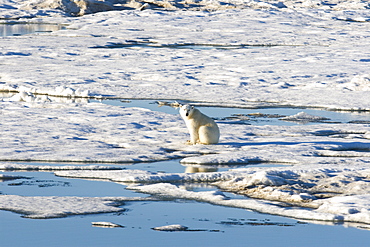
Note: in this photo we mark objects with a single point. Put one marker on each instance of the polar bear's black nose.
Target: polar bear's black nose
(187, 114)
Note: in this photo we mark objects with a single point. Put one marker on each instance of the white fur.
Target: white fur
(203, 130)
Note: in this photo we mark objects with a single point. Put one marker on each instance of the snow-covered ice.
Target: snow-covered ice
(77, 8)
(238, 53)
(24, 167)
(70, 132)
(100, 133)
(302, 56)
(42, 207)
(336, 209)
(313, 190)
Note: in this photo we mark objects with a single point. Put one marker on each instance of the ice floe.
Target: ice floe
(302, 192)
(42, 207)
(105, 224)
(171, 228)
(172, 191)
(336, 209)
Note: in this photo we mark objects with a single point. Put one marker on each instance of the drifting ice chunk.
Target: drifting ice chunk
(171, 228)
(105, 224)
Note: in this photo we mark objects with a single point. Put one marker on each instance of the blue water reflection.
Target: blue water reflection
(17, 29)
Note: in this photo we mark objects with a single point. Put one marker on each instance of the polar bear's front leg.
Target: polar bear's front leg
(194, 135)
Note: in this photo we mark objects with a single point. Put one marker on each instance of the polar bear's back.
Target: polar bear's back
(208, 130)
(201, 119)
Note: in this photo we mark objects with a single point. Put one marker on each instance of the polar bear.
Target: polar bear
(203, 130)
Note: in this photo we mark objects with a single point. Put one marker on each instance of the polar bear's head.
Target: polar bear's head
(186, 110)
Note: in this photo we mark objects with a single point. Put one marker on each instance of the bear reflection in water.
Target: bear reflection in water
(195, 169)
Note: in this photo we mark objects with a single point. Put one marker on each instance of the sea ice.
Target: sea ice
(312, 190)
(335, 209)
(290, 60)
(100, 133)
(87, 132)
(42, 207)
(246, 54)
